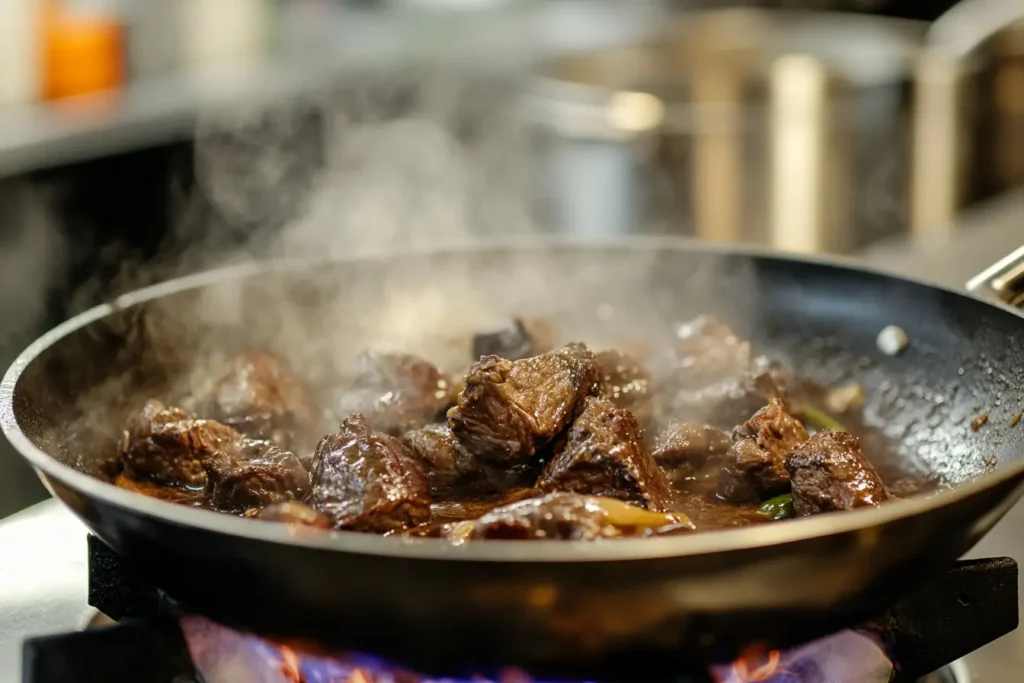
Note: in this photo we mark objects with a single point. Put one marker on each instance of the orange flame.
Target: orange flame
(290, 665)
(756, 665)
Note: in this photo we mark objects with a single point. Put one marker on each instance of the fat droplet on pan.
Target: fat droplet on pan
(892, 340)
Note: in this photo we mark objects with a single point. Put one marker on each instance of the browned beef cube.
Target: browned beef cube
(396, 392)
(605, 456)
(171, 447)
(626, 384)
(509, 410)
(829, 473)
(756, 462)
(519, 338)
(566, 516)
(443, 460)
(683, 449)
(713, 376)
(260, 398)
(262, 475)
(293, 512)
(367, 480)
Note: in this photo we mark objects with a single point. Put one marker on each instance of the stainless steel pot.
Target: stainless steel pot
(792, 128)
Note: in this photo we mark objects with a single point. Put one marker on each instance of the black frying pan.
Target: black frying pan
(570, 606)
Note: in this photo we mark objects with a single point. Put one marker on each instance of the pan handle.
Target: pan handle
(1002, 281)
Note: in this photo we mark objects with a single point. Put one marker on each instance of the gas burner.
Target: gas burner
(143, 637)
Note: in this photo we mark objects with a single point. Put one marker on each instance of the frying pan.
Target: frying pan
(624, 606)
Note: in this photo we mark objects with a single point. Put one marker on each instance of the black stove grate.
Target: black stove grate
(149, 650)
(971, 604)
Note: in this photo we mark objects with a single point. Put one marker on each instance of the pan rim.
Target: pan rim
(739, 539)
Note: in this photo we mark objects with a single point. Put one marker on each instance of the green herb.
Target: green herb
(819, 419)
(779, 507)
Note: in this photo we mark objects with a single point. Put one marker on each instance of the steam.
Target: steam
(30, 245)
(391, 163)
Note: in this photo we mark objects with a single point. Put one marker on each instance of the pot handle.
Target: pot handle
(1003, 281)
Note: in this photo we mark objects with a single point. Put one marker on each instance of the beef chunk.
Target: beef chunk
(566, 516)
(511, 409)
(605, 456)
(262, 476)
(260, 398)
(171, 447)
(756, 462)
(713, 376)
(684, 449)
(520, 338)
(452, 472)
(829, 472)
(626, 384)
(444, 461)
(396, 392)
(368, 481)
(293, 512)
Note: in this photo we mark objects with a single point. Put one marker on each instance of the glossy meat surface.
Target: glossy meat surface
(510, 409)
(626, 383)
(683, 449)
(442, 458)
(756, 461)
(396, 392)
(605, 456)
(541, 443)
(367, 480)
(259, 397)
(567, 516)
(171, 447)
(830, 473)
(714, 376)
(266, 475)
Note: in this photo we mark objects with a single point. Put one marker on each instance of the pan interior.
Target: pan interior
(963, 357)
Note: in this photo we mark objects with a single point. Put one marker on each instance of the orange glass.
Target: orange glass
(81, 53)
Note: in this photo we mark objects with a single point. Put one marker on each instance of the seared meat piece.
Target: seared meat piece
(442, 459)
(261, 399)
(713, 376)
(511, 409)
(756, 462)
(171, 447)
(520, 338)
(683, 449)
(829, 472)
(451, 471)
(293, 512)
(626, 384)
(396, 392)
(605, 456)
(566, 516)
(262, 476)
(368, 481)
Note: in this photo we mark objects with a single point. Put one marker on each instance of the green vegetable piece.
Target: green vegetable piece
(779, 507)
(820, 419)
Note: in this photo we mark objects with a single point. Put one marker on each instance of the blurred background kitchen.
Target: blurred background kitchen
(143, 139)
